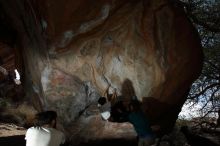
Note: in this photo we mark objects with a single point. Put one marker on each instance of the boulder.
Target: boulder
(72, 50)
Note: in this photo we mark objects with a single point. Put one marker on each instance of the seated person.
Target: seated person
(45, 132)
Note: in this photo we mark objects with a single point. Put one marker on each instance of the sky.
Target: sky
(188, 111)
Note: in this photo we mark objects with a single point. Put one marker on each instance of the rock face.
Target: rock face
(72, 50)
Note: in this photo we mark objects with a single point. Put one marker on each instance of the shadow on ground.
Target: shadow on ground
(12, 141)
(20, 141)
(109, 142)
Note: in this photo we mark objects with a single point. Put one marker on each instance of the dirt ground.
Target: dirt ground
(7, 130)
(12, 135)
(17, 140)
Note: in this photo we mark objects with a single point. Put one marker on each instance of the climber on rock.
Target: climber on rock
(105, 102)
(113, 107)
(127, 110)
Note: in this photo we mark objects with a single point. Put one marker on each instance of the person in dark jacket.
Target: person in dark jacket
(141, 124)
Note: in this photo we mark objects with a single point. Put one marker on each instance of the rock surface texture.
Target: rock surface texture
(72, 50)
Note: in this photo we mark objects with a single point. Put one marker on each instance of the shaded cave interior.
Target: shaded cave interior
(11, 59)
(20, 39)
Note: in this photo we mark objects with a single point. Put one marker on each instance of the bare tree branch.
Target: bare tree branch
(204, 90)
(210, 98)
(189, 9)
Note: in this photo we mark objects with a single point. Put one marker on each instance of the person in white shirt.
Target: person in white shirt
(45, 132)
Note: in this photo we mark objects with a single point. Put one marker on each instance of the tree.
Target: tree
(205, 15)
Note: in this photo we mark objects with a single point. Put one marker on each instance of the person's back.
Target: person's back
(40, 136)
(141, 124)
(45, 134)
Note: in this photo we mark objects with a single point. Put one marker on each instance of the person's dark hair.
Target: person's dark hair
(102, 100)
(45, 117)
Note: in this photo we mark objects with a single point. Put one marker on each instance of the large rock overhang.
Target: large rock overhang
(72, 50)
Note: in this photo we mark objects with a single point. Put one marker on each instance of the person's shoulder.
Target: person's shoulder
(59, 134)
(57, 131)
(33, 128)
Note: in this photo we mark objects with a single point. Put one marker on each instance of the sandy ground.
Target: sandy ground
(11, 135)
(7, 130)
